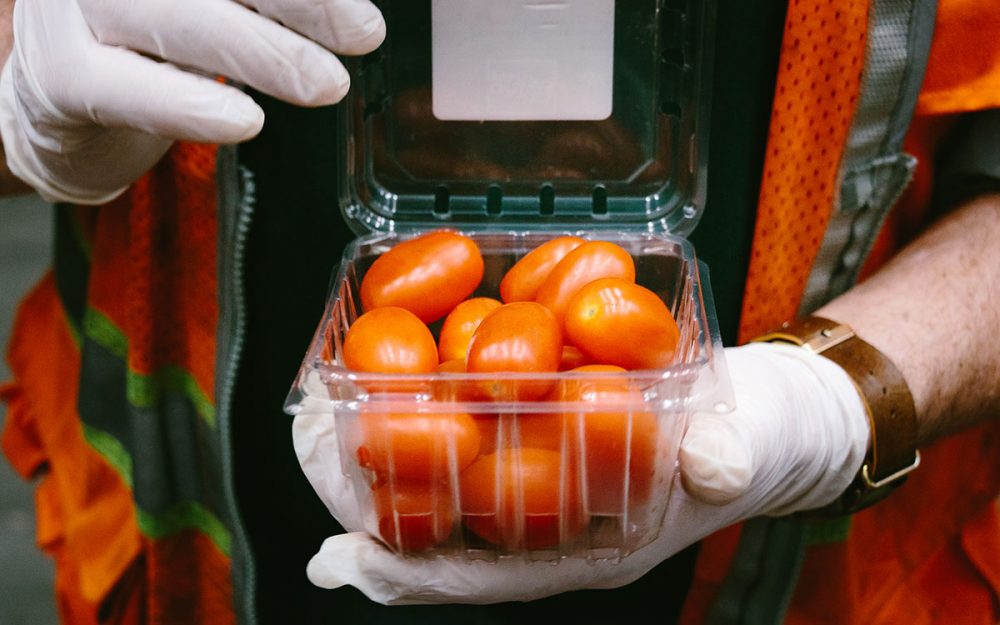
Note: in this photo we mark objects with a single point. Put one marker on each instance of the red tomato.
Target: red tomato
(521, 282)
(516, 338)
(389, 340)
(460, 324)
(586, 263)
(619, 322)
(417, 445)
(428, 275)
(413, 516)
(521, 499)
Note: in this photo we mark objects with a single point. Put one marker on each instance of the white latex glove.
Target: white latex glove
(95, 91)
(795, 441)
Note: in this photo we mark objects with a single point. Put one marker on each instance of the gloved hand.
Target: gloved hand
(795, 441)
(94, 91)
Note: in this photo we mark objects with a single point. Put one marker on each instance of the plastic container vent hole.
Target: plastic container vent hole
(441, 200)
(547, 200)
(600, 199)
(494, 196)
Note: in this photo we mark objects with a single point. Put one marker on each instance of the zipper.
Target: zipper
(236, 203)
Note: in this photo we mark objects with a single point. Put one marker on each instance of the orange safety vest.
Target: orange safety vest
(122, 360)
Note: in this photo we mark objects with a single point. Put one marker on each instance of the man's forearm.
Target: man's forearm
(935, 312)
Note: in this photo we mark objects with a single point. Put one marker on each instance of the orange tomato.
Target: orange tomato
(390, 340)
(516, 338)
(460, 324)
(618, 322)
(489, 430)
(572, 358)
(416, 445)
(413, 516)
(521, 499)
(521, 282)
(586, 263)
(612, 428)
(428, 275)
(456, 365)
(619, 439)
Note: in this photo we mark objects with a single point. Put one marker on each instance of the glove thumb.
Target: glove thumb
(715, 462)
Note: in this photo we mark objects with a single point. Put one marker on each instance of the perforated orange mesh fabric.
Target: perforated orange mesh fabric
(965, 31)
(819, 79)
(822, 58)
(191, 584)
(172, 266)
(153, 269)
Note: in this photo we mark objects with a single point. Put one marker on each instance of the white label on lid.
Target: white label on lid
(506, 60)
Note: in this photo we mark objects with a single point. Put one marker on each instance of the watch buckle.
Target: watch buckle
(866, 477)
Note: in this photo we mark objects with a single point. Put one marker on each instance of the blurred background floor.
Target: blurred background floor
(26, 575)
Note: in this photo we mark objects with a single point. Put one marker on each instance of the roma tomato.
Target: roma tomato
(428, 275)
(572, 358)
(618, 436)
(416, 445)
(586, 263)
(521, 282)
(389, 340)
(460, 324)
(618, 322)
(413, 516)
(521, 498)
(516, 338)
(455, 365)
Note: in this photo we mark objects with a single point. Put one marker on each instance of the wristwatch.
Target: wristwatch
(892, 452)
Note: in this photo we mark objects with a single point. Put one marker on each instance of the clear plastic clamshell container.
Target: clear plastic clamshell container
(439, 469)
(515, 123)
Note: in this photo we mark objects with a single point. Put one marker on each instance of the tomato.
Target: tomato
(428, 275)
(617, 436)
(572, 358)
(460, 324)
(489, 430)
(390, 340)
(413, 516)
(517, 338)
(417, 445)
(521, 282)
(522, 499)
(455, 365)
(586, 263)
(619, 322)
(619, 439)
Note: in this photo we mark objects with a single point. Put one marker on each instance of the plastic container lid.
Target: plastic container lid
(536, 114)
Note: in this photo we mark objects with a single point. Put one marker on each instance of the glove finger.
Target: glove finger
(716, 464)
(344, 26)
(221, 37)
(159, 99)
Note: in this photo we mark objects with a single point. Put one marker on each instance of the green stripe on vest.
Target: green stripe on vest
(176, 518)
(185, 515)
(145, 390)
(112, 450)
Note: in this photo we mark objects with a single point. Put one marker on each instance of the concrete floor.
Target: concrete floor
(26, 586)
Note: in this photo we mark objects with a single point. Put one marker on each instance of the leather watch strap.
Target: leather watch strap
(892, 452)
